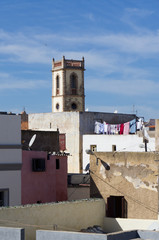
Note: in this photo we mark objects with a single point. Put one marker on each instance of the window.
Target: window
(57, 85)
(74, 106)
(4, 197)
(73, 83)
(113, 148)
(57, 106)
(57, 163)
(38, 164)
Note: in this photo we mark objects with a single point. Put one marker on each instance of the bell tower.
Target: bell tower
(68, 85)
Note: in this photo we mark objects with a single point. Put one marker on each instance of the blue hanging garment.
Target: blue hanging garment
(133, 126)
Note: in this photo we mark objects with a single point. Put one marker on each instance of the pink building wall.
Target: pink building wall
(47, 186)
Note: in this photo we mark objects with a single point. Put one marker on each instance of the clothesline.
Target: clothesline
(124, 128)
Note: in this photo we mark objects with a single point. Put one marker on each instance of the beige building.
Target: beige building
(129, 187)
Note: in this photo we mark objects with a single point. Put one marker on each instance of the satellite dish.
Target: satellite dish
(89, 151)
(87, 167)
(32, 140)
(141, 145)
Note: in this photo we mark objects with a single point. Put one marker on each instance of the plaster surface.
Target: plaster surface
(132, 176)
(124, 143)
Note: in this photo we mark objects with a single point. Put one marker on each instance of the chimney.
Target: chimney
(157, 135)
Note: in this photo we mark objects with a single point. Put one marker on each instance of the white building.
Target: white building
(10, 159)
(119, 143)
(75, 125)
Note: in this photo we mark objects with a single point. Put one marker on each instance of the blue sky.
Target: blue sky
(118, 39)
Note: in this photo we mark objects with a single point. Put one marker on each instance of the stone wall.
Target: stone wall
(132, 176)
(63, 216)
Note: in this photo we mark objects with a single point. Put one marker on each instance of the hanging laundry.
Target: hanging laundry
(121, 128)
(139, 124)
(133, 126)
(97, 127)
(112, 129)
(126, 128)
(105, 127)
(101, 130)
(109, 129)
(118, 128)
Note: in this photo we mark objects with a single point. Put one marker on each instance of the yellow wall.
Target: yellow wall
(66, 216)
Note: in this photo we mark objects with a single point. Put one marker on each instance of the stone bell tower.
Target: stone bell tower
(68, 85)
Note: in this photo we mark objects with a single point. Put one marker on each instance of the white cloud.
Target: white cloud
(38, 48)
(108, 54)
(128, 88)
(24, 84)
(8, 82)
(138, 12)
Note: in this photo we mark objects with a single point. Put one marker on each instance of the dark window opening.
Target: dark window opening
(57, 106)
(4, 197)
(1, 199)
(38, 164)
(57, 85)
(74, 106)
(116, 207)
(113, 148)
(73, 79)
(57, 163)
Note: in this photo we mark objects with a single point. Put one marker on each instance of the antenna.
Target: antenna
(32, 140)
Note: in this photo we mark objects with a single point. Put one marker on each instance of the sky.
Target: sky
(118, 39)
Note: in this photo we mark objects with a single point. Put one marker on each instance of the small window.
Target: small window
(113, 148)
(57, 106)
(38, 164)
(57, 163)
(57, 85)
(74, 106)
(4, 197)
(73, 83)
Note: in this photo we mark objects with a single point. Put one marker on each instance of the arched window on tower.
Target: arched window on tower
(57, 85)
(73, 79)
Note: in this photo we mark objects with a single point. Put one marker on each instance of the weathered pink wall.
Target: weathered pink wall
(48, 186)
(61, 180)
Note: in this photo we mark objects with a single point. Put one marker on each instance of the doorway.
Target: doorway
(4, 197)
(116, 207)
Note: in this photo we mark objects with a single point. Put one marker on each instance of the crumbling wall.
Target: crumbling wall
(131, 175)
